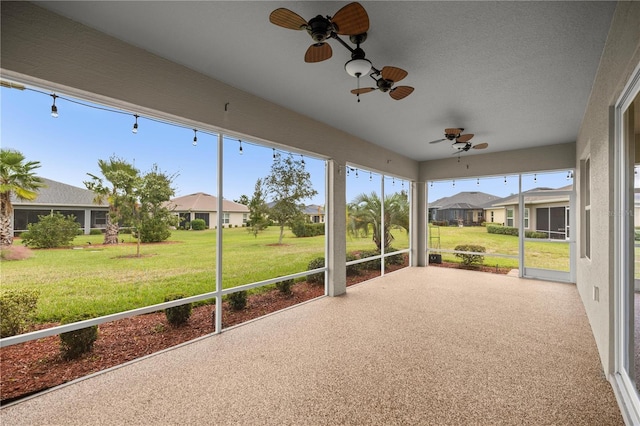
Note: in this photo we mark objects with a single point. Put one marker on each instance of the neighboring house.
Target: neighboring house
(61, 198)
(465, 208)
(315, 213)
(636, 210)
(548, 213)
(204, 206)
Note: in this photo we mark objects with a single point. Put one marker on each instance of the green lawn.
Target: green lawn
(544, 255)
(100, 280)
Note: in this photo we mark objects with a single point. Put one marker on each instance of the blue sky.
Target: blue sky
(69, 147)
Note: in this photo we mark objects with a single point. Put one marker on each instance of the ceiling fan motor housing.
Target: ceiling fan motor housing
(384, 85)
(319, 28)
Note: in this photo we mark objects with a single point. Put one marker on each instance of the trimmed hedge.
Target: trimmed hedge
(177, 315)
(75, 343)
(305, 229)
(508, 230)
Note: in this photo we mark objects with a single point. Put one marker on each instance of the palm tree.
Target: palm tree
(364, 216)
(17, 177)
(123, 178)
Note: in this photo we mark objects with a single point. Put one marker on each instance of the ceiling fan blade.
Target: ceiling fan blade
(400, 92)
(363, 90)
(287, 19)
(394, 74)
(451, 131)
(318, 52)
(464, 138)
(480, 146)
(352, 19)
(438, 140)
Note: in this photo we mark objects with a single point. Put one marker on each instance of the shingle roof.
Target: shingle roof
(60, 194)
(467, 200)
(550, 196)
(313, 209)
(201, 202)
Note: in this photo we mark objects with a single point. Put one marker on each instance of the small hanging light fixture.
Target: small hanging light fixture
(478, 182)
(370, 176)
(393, 181)
(432, 184)
(54, 108)
(274, 153)
(135, 125)
(195, 137)
(356, 173)
(535, 178)
(302, 157)
(505, 180)
(240, 146)
(454, 183)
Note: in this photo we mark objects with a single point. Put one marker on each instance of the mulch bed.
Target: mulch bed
(34, 366)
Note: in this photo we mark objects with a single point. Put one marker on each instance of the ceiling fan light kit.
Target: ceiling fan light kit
(461, 142)
(352, 20)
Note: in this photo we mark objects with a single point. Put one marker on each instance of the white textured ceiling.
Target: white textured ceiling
(516, 74)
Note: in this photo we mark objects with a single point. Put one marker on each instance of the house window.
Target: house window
(245, 217)
(526, 218)
(225, 218)
(510, 217)
(492, 216)
(203, 216)
(586, 211)
(99, 218)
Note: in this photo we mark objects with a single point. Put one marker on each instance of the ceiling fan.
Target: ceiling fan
(453, 134)
(385, 81)
(467, 146)
(352, 20)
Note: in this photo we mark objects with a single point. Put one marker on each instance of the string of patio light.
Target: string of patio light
(55, 114)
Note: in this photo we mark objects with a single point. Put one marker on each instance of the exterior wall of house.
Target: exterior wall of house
(595, 141)
(498, 215)
(230, 219)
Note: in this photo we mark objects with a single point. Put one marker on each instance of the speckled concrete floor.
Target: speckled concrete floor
(427, 346)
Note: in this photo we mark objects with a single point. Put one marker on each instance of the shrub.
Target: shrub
(154, 231)
(305, 229)
(18, 307)
(470, 259)
(285, 287)
(535, 234)
(15, 253)
(238, 300)
(316, 263)
(177, 315)
(372, 264)
(75, 343)
(50, 231)
(502, 230)
(394, 259)
(198, 225)
(353, 269)
(95, 231)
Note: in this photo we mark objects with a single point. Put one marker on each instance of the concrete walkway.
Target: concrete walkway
(421, 346)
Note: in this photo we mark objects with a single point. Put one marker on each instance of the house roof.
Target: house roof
(467, 200)
(201, 202)
(550, 196)
(60, 194)
(313, 209)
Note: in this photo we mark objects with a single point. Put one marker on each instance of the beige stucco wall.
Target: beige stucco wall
(595, 140)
